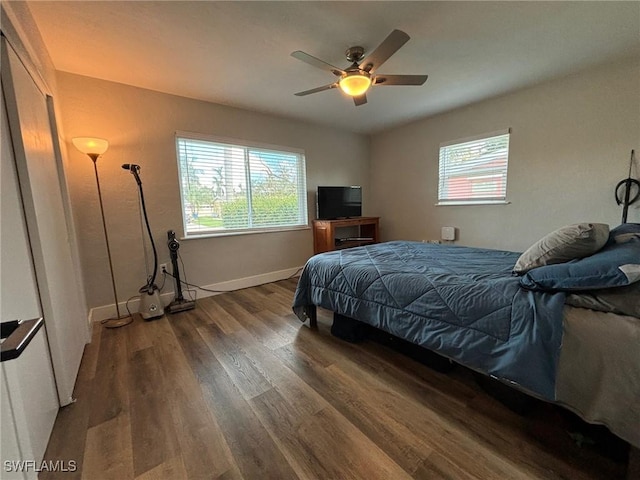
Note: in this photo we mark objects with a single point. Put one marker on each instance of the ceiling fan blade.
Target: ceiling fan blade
(399, 79)
(316, 62)
(316, 90)
(360, 100)
(388, 47)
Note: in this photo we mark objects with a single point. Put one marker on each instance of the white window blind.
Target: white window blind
(474, 170)
(228, 187)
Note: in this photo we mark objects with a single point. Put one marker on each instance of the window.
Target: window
(231, 187)
(474, 170)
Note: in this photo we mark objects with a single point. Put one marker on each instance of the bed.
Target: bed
(467, 304)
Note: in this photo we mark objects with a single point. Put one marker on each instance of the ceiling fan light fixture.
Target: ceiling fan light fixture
(355, 84)
(356, 79)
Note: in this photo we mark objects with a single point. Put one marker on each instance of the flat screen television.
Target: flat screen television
(339, 202)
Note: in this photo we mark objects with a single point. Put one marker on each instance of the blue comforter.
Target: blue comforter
(461, 302)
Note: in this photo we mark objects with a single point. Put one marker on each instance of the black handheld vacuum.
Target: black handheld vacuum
(179, 304)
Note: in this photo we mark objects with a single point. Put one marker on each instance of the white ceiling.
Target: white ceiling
(238, 53)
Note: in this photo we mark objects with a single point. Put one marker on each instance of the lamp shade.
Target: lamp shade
(90, 145)
(355, 84)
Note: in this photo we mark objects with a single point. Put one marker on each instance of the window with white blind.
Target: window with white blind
(474, 170)
(228, 186)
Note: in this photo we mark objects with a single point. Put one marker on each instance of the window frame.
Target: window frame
(502, 200)
(247, 145)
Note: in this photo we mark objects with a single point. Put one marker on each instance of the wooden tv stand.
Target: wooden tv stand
(326, 240)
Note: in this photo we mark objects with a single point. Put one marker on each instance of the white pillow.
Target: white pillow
(567, 243)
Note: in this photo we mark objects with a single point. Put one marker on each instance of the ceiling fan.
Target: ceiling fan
(359, 77)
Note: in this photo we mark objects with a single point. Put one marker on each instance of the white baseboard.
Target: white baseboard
(104, 312)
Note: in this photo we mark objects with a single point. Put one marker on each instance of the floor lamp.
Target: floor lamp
(94, 147)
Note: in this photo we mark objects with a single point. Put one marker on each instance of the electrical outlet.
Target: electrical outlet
(163, 268)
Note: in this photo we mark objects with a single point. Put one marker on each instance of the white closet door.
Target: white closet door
(65, 318)
(28, 396)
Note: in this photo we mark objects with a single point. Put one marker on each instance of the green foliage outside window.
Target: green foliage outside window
(267, 210)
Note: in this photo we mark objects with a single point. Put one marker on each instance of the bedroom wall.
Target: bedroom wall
(570, 145)
(140, 126)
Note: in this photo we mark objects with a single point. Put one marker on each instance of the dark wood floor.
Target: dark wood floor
(239, 388)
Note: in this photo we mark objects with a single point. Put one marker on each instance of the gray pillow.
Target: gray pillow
(622, 300)
(567, 243)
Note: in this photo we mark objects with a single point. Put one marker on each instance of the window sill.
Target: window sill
(210, 234)
(463, 202)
